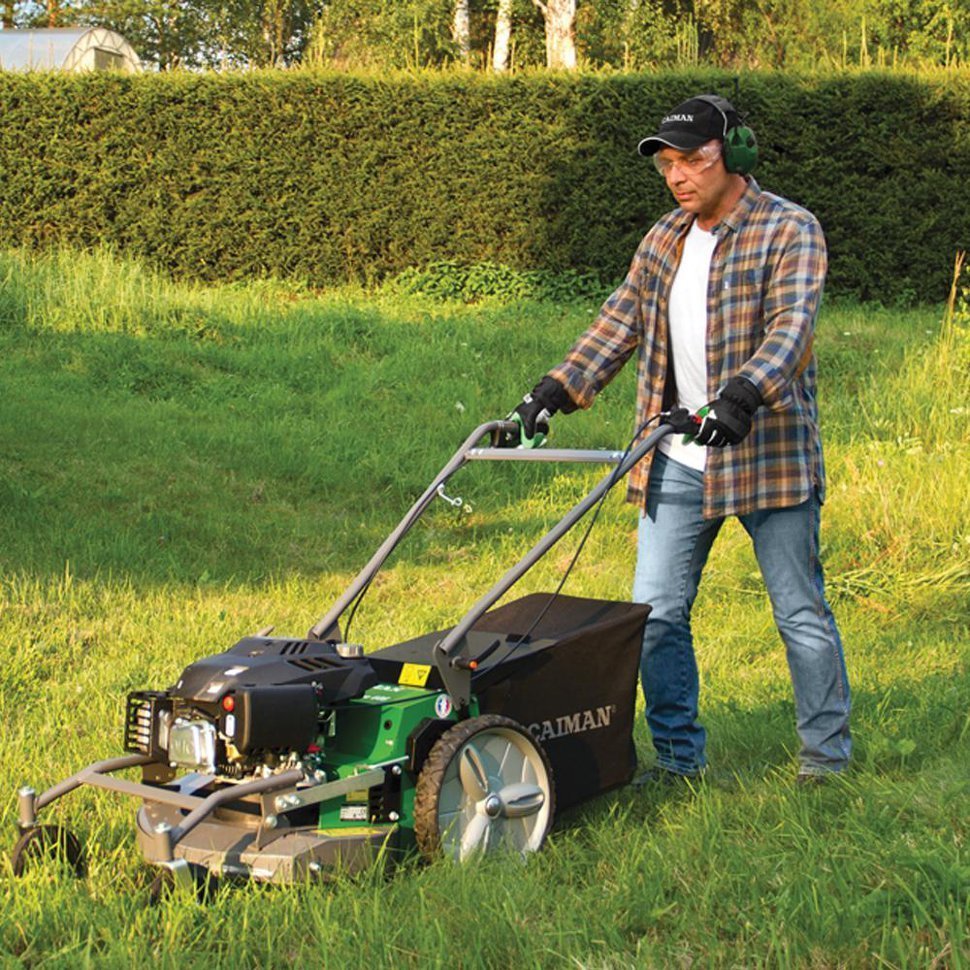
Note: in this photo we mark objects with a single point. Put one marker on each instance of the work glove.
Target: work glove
(727, 419)
(547, 398)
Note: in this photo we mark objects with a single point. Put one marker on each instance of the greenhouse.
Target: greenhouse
(66, 49)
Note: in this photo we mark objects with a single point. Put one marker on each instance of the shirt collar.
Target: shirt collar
(734, 219)
(742, 209)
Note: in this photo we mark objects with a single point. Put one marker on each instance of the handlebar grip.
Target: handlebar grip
(513, 429)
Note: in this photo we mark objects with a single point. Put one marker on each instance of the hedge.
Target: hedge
(332, 177)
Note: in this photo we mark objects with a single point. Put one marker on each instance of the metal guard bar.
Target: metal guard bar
(97, 776)
(285, 779)
(199, 808)
(29, 803)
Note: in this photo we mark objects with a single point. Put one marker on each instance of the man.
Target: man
(719, 306)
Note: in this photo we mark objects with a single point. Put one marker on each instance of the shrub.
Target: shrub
(331, 177)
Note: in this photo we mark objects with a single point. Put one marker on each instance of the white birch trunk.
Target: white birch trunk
(560, 17)
(461, 30)
(503, 36)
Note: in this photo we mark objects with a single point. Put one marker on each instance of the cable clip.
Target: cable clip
(456, 502)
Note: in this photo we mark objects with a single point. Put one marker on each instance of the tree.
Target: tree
(634, 34)
(279, 23)
(503, 36)
(259, 33)
(507, 31)
(39, 13)
(461, 29)
(171, 33)
(383, 33)
(560, 18)
(931, 31)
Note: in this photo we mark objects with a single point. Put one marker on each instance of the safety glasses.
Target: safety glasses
(692, 163)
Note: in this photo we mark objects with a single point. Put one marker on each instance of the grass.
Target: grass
(180, 466)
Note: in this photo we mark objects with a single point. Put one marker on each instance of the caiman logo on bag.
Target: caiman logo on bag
(588, 720)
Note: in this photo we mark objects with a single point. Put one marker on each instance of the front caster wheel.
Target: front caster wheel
(486, 787)
(47, 843)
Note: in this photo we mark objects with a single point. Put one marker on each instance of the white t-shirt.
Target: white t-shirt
(688, 338)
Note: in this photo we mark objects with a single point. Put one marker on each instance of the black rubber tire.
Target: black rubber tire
(49, 843)
(449, 747)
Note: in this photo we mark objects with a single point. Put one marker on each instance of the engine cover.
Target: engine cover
(256, 662)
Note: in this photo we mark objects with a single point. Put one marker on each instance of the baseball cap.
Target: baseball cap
(691, 124)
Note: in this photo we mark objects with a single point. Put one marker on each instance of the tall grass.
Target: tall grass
(180, 466)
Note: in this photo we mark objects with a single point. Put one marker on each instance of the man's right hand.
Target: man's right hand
(547, 398)
(682, 421)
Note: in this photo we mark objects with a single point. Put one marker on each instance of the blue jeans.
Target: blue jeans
(674, 542)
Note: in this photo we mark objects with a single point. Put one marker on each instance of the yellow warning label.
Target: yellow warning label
(414, 675)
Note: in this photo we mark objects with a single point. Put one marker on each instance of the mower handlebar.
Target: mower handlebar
(363, 578)
(449, 651)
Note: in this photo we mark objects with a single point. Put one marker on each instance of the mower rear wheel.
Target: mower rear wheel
(486, 787)
(49, 843)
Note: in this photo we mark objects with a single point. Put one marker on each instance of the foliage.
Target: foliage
(183, 465)
(448, 280)
(325, 177)
(620, 34)
(637, 35)
(257, 33)
(191, 33)
(382, 33)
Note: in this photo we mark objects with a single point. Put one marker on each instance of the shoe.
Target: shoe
(657, 777)
(812, 779)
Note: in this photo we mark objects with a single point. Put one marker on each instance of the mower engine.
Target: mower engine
(249, 711)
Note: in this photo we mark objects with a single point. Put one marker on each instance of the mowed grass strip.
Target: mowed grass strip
(181, 466)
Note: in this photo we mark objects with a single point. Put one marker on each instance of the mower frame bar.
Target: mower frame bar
(286, 796)
(167, 838)
(96, 775)
(450, 653)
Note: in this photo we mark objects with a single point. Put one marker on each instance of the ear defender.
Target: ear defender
(740, 150)
(740, 145)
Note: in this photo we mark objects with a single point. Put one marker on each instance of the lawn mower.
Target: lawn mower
(285, 758)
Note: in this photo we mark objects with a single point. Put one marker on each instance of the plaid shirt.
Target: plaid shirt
(763, 295)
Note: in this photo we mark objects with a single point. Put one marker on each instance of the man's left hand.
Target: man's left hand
(727, 420)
